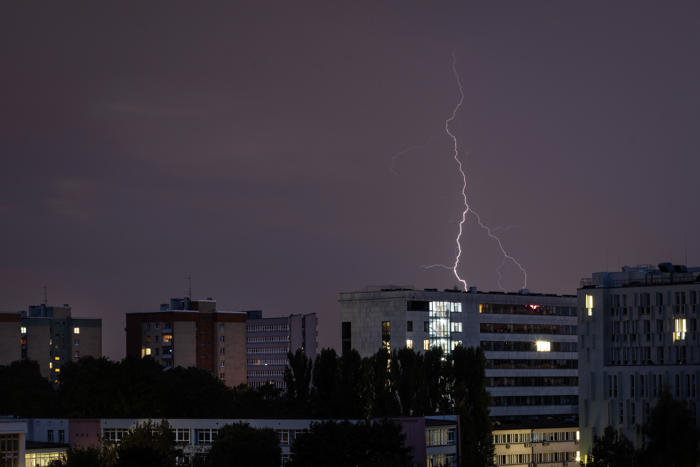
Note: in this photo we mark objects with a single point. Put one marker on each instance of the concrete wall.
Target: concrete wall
(10, 345)
(184, 344)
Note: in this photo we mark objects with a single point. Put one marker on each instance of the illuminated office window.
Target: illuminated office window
(680, 329)
(589, 304)
(426, 344)
(23, 329)
(76, 330)
(543, 346)
(409, 343)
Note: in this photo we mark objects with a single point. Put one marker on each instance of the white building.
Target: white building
(529, 340)
(637, 333)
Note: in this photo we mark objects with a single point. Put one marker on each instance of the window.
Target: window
(346, 336)
(409, 343)
(167, 338)
(182, 435)
(680, 329)
(426, 326)
(76, 342)
(206, 435)
(145, 351)
(221, 338)
(49, 436)
(409, 326)
(221, 364)
(76, 330)
(426, 344)
(221, 327)
(589, 304)
(23, 329)
(77, 354)
(386, 336)
(456, 327)
(543, 346)
(61, 436)
(283, 436)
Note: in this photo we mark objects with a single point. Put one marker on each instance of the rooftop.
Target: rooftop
(643, 275)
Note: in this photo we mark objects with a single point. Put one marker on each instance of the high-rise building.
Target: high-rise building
(270, 339)
(49, 335)
(529, 340)
(191, 333)
(637, 334)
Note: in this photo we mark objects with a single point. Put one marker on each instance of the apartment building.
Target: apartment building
(529, 339)
(638, 334)
(191, 333)
(268, 340)
(49, 335)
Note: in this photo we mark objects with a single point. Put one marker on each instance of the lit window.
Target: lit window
(589, 304)
(76, 330)
(167, 338)
(57, 358)
(456, 327)
(51, 365)
(456, 343)
(409, 343)
(426, 344)
(145, 351)
(543, 346)
(23, 329)
(680, 329)
(57, 370)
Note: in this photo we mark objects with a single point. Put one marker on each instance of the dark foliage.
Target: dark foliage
(613, 450)
(147, 445)
(24, 392)
(672, 438)
(347, 444)
(239, 444)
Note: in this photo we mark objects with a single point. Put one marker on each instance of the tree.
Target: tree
(407, 379)
(383, 401)
(325, 379)
(471, 403)
(297, 377)
(612, 450)
(672, 437)
(346, 444)
(147, 445)
(239, 444)
(349, 391)
(88, 457)
(24, 392)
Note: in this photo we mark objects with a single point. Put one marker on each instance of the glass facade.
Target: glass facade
(439, 323)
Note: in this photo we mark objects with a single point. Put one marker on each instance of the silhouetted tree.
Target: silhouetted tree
(325, 380)
(672, 437)
(383, 402)
(471, 403)
(24, 392)
(147, 445)
(345, 444)
(297, 377)
(239, 444)
(349, 389)
(612, 450)
(407, 380)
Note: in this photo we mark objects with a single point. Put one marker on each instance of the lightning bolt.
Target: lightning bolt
(467, 208)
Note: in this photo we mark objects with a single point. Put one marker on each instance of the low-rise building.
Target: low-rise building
(12, 440)
(544, 442)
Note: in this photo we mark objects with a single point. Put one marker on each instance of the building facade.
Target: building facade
(191, 333)
(12, 441)
(268, 340)
(49, 335)
(529, 340)
(432, 441)
(637, 334)
(546, 442)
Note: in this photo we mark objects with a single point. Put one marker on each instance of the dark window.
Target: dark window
(409, 326)
(415, 305)
(50, 436)
(425, 326)
(346, 336)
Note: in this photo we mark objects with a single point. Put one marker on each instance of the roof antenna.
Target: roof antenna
(46, 295)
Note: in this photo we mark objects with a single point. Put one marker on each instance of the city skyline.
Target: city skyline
(279, 156)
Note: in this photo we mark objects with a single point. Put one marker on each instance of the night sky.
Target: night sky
(282, 153)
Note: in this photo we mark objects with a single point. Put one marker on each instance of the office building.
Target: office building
(191, 333)
(529, 340)
(270, 339)
(49, 335)
(12, 441)
(637, 333)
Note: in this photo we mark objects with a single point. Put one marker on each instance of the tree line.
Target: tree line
(671, 439)
(332, 386)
